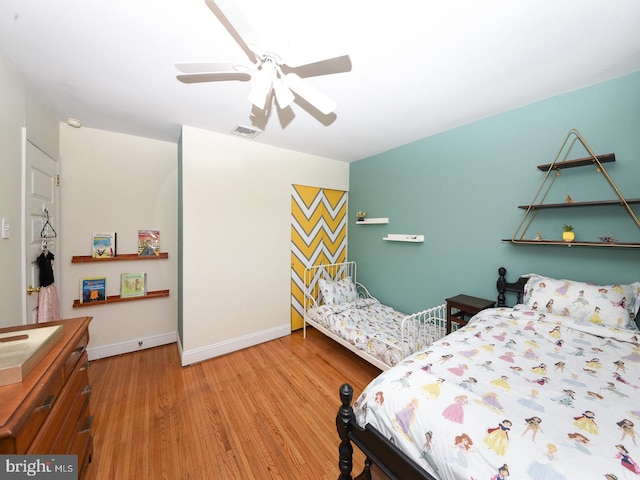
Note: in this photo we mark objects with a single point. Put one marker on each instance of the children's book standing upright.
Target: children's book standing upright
(148, 242)
(133, 285)
(93, 289)
(103, 245)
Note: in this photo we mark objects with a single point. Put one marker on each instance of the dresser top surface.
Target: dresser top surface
(15, 397)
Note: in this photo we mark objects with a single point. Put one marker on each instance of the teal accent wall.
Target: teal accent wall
(461, 189)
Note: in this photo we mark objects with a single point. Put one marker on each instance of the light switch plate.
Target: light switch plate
(6, 229)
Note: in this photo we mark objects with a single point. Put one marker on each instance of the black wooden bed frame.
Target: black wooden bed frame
(379, 451)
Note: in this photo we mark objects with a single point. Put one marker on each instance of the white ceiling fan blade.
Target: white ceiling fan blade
(309, 93)
(328, 66)
(212, 67)
(236, 24)
(212, 72)
(213, 77)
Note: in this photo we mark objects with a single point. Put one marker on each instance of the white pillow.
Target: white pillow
(337, 292)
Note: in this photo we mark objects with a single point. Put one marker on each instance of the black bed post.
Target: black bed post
(501, 285)
(343, 424)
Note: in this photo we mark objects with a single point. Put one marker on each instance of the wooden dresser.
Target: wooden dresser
(48, 412)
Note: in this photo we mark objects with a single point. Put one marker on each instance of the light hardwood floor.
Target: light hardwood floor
(266, 412)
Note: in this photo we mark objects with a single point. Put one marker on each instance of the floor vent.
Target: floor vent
(247, 132)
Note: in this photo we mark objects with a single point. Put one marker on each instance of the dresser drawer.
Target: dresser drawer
(76, 352)
(75, 420)
(83, 447)
(59, 428)
(82, 443)
(43, 407)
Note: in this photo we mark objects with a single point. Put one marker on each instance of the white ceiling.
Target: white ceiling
(419, 66)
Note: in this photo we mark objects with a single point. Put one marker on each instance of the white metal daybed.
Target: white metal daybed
(344, 310)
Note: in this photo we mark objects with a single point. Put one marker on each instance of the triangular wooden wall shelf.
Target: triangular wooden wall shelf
(552, 169)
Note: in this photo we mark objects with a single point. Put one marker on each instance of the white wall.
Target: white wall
(237, 222)
(237, 238)
(19, 108)
(11, 122)
(121, 183)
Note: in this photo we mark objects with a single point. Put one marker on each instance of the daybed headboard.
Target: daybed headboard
(503, 286)
(333, 272)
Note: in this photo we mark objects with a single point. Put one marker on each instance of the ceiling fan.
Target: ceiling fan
(269, 73)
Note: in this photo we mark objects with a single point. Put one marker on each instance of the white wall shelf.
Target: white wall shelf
(402, 237)
(372, 221)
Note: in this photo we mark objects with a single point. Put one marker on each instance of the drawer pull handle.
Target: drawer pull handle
(79, 349)
(87, 424)
(86, 390)
(47, 403)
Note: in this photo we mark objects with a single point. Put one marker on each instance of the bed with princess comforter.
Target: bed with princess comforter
(546, 390)
(344, 310)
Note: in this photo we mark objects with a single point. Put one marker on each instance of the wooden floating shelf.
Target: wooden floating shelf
(125, 257)
(117, 299)
(579, 204)
(579, 162)
(572, 244)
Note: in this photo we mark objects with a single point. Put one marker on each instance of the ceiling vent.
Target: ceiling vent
(247, 132)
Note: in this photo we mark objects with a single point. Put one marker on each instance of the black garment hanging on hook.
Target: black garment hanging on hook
(45, 262)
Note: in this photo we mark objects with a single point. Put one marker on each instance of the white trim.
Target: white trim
(131, 346)
(210, 351)
(23, 222)
(179, 345)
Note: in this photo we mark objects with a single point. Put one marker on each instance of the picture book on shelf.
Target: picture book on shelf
(103, 244)
(93, 289)
(133, 285)
(148, 242)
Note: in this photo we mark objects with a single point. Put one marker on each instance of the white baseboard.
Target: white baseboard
(210, 351)
(131, 346)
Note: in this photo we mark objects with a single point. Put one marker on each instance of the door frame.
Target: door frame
(26, 223)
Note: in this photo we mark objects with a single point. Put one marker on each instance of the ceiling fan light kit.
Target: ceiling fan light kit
(261, 84)
(283, 95)
(266, 74)
(312, 95)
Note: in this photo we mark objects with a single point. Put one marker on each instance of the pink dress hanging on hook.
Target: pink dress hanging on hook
(48, 303)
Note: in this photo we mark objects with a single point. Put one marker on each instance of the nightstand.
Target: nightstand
(462, 307)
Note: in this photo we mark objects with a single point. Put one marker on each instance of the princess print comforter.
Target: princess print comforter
(515, 394)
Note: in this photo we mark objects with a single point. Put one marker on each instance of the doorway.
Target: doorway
(40, 204)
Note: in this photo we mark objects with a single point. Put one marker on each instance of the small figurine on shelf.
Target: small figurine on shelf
(538, 237)
(569, 199)
(608, 239)
(361, 214)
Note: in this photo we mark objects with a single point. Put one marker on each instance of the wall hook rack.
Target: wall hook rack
(47, 229)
